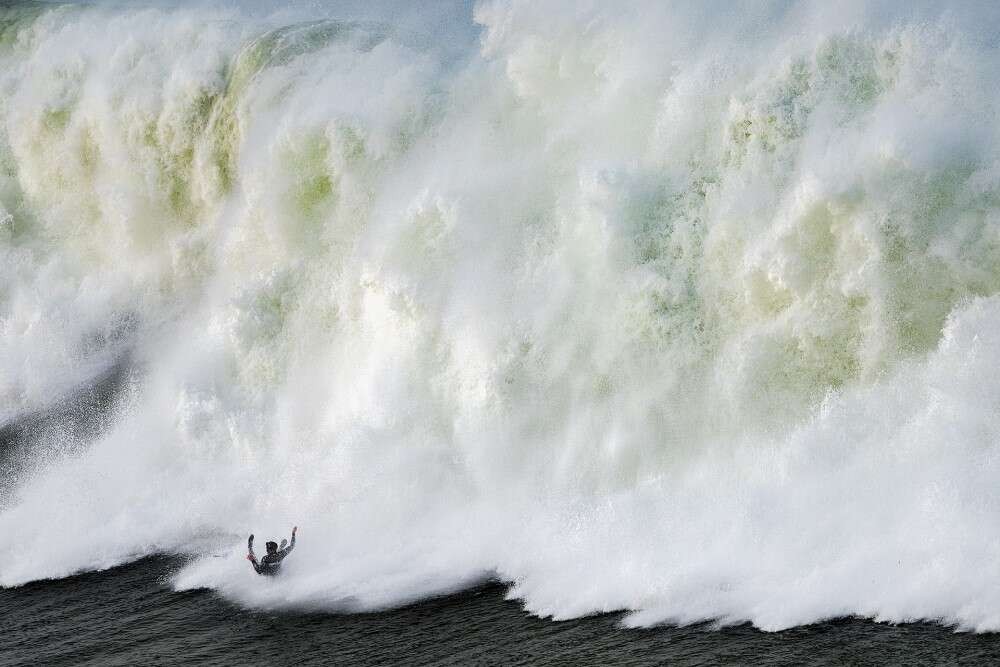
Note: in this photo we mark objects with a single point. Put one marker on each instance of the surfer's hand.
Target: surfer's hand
(294, 528)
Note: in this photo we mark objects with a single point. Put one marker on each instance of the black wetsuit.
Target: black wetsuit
(270, 563)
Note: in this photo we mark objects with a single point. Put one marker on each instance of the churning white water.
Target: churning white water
(686, 310)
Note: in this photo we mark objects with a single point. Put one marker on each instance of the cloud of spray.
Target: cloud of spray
(680, 310)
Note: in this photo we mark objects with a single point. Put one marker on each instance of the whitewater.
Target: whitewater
(686, 310)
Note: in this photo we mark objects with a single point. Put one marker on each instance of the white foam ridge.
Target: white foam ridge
(687, 310)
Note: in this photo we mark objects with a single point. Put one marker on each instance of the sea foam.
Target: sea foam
(689, 311)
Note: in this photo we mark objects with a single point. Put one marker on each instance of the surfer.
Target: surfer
(272, 560)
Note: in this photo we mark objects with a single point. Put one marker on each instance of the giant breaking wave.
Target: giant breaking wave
(688, 311)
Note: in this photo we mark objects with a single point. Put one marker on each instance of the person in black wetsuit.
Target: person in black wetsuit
(270, 563)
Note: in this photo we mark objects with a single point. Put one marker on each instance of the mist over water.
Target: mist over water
(690, 310)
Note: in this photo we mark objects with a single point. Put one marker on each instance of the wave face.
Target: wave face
(692, 312)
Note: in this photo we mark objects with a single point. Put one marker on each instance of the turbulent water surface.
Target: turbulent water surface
(128, 616)
(687, 311)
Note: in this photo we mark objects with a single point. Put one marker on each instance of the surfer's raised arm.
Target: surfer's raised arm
(251, 557)
(291, 545)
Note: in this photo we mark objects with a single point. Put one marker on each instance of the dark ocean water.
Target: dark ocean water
(130, 616)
